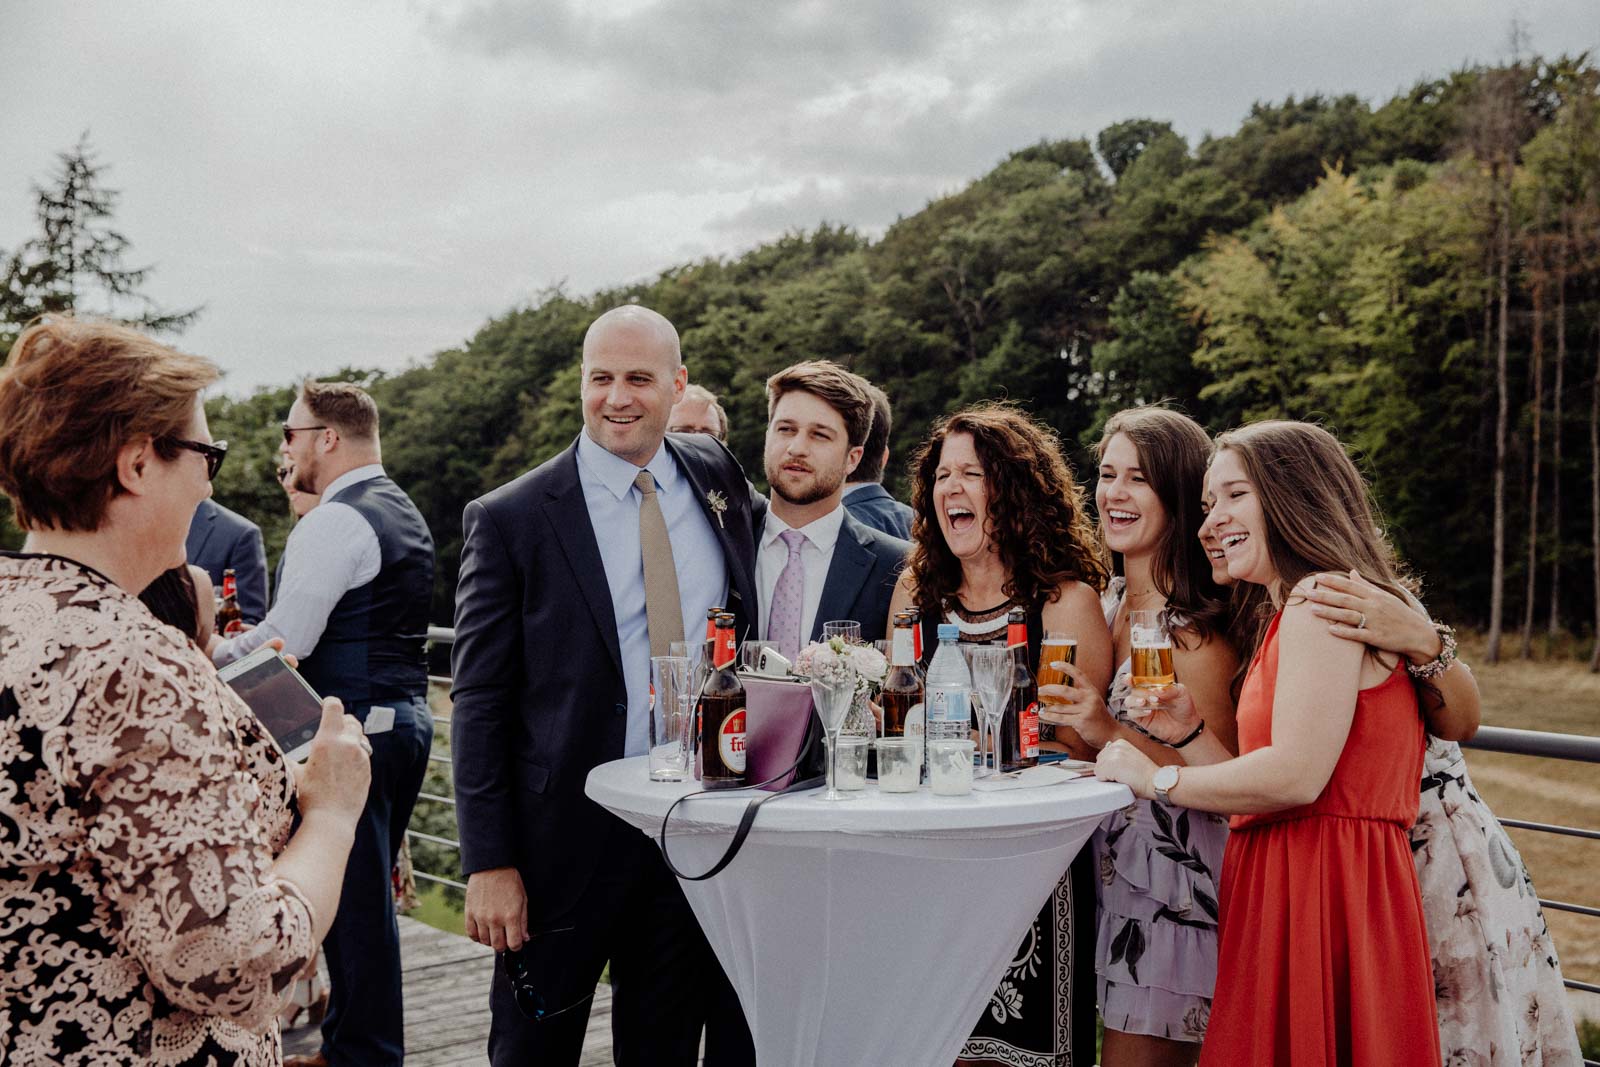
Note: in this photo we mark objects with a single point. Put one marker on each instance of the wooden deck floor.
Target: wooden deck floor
(446, 981)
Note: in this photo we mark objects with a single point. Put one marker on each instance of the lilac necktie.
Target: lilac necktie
(788, 598)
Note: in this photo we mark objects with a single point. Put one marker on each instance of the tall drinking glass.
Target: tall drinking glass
(832, 698)
(1055, 647)
(670, 716)
(1152, 655)
(991, 679)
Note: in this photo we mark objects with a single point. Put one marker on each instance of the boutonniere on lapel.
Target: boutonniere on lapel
(718, 504)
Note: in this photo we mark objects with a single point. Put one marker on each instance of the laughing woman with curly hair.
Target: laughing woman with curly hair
(1000, 523)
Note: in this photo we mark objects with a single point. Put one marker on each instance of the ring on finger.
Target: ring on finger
(1361, 624)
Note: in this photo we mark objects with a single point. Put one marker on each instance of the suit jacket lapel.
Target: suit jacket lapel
(740, 571)
(851, 563)
(569, 519)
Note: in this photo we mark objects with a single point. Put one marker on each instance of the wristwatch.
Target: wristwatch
(1164, 780)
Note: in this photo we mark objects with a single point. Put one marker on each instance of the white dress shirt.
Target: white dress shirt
(330, 552)
(817, 555)
(613, 503)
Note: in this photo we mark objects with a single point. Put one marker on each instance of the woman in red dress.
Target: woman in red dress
(1323, 955)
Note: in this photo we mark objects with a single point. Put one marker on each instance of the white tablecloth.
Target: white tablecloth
(871, 931)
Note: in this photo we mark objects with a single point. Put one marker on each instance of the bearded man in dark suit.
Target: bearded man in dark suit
(572, 576)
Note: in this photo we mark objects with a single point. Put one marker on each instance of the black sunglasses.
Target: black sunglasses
(528, 969)
(214, 453)
(290, 431)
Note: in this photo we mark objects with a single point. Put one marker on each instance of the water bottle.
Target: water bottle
(948, 689)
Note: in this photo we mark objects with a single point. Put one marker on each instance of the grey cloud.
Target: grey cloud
(716, 46)
(868, 204)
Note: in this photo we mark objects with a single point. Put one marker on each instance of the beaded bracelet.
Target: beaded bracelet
(1440, 663)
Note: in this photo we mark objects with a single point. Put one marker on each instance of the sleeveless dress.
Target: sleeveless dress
(1042, 1013)
(1496, 976)
(1324, 956)
(1158, 866)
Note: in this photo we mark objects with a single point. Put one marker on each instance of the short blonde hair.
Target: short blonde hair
(73, 393)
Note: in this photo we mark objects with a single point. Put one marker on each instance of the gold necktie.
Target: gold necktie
(663, 610)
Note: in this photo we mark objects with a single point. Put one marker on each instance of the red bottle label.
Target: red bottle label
(730, 741)
(1030, 731)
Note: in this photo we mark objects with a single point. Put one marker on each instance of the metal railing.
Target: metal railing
(1534, 743)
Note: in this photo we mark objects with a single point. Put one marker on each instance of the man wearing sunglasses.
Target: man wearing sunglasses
(353, 602)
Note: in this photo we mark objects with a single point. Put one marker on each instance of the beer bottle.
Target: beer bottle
(229, 621)
(901, 694)
(722, 716)
(1019, 726)
(711, 636)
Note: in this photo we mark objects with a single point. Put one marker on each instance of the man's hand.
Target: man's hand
(497, 908)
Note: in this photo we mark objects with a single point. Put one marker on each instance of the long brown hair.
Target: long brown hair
(1173, 451)
(1038, 517)
(1319, 513)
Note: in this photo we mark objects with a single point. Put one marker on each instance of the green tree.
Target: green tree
(76, 260)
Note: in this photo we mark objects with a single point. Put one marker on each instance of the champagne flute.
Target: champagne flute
(832, 697)
(991, 678)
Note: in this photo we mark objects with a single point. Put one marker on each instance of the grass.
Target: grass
(1559, 695)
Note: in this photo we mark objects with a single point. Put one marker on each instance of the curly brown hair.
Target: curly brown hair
(1038, 514)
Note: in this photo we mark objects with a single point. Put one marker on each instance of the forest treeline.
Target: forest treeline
(1422, 276)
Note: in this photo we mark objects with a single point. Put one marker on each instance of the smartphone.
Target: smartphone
(288, 707)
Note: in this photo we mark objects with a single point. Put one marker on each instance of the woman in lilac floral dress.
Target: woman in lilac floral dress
(1158, 865)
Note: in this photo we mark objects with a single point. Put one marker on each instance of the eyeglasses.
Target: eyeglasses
(290, 431)
(214, 453)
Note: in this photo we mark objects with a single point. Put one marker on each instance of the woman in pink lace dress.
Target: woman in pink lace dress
(154, 905)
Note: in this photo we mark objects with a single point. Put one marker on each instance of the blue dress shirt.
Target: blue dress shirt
(613, 503)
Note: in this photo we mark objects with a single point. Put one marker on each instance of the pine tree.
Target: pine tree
(76, 261)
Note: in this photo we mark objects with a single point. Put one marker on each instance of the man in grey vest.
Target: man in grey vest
(353, 606)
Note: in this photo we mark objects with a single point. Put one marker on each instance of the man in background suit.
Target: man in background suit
(864, 494)
(572, 576)
(815, 561)
(220, 539)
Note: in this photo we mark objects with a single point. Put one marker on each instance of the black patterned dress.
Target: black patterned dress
(1043, 1012)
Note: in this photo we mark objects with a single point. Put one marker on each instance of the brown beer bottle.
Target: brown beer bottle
(229, 621)
(901, 694)
(711, 636)
(1019, 726)
(722, 716)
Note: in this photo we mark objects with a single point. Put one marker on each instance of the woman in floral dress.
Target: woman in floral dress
(1158, 865)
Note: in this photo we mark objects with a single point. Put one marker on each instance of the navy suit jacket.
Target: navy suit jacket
(539, 697)
(861, 577)
(872, 505)
(220, 539)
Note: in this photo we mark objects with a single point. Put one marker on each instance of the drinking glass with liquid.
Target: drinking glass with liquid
(1056, 647)
(1152, 656)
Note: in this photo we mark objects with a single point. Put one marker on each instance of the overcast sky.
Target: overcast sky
(365, 182)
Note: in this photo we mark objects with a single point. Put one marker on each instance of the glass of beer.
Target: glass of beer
(1056, 647)
(1152, 651)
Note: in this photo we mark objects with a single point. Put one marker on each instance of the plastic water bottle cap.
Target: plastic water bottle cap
(949, 631)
